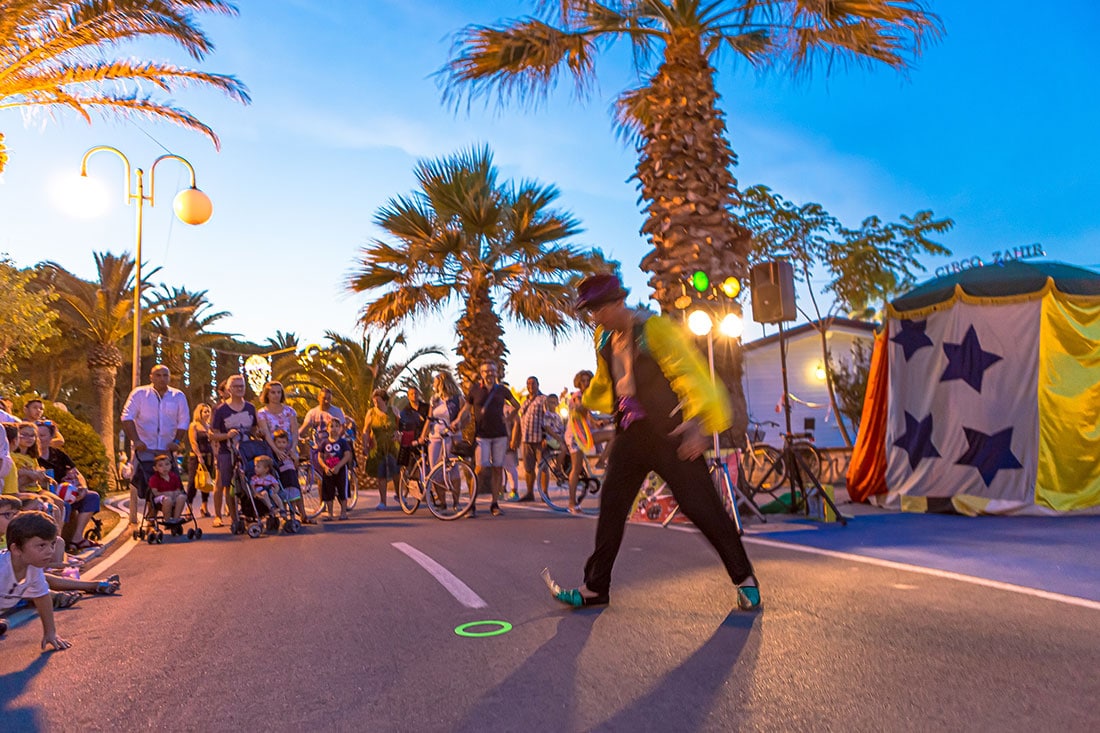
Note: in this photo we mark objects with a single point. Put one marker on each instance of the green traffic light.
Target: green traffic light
(700, 281)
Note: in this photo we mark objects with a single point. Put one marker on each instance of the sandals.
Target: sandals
(107, 587)
(84, 544)
(65, 598)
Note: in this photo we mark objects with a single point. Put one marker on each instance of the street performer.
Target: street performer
(666, 405)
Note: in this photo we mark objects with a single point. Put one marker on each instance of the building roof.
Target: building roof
(799, 331)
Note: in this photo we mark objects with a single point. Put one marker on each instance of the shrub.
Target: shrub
(82, 443)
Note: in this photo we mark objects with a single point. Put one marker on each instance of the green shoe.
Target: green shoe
(748, 597)
(572, 597)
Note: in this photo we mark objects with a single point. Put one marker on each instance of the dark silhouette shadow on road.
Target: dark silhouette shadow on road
(13, 685)
(545, 670)
(684, 697)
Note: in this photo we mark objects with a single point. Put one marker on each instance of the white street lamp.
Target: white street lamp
(191, 205)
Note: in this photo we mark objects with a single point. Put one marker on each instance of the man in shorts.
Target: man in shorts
(486, 401)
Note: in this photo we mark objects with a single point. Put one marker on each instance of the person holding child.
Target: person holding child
(166, 489)
(30, 549)
(287, 468)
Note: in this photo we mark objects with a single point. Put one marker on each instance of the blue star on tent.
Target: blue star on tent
(967, 361)
(989, 453)
(911, 337)
(917, 440)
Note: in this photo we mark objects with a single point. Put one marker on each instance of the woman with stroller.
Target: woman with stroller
(202, 453)
(233, 421)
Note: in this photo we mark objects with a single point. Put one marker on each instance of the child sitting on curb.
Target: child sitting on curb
(68, 590)
(30, 537)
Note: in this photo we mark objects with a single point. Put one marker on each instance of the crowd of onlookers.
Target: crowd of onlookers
(178, 455)
(45, 498)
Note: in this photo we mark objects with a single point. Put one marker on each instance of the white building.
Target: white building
(810, 410)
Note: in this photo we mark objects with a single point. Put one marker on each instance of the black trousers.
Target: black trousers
(634, 453)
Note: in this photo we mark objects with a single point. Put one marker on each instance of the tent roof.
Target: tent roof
(993, 281)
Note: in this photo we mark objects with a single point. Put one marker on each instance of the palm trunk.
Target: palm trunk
(685, 174)
(103, 380)
(480, 336)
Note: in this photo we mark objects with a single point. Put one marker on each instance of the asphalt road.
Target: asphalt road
(337, 629)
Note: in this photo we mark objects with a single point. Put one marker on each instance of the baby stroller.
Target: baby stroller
(152, 526)
(254, 516)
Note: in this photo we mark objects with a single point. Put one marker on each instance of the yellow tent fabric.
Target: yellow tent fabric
(1069, 403)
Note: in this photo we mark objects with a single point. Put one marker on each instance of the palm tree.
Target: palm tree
(673, 116)
(100, 315)
(53, 53)
(464, 236)
(183, 318)
(352, 368)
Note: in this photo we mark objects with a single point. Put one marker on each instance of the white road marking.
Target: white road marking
(946, 574)
(462, 592)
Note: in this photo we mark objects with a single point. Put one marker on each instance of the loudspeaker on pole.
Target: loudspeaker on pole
(773, 292)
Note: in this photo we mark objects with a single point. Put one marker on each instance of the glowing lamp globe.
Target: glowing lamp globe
(192, 206)
(699, 323)
(732, 325)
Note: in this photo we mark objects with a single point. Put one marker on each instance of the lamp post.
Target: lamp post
(191, 205)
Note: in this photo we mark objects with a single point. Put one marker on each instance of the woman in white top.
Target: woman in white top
(446, 404)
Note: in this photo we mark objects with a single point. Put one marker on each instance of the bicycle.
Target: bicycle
(309, 478)
(448, 487)
(556, 465)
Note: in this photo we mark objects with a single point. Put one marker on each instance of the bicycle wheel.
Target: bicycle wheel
(353, 486)
(809, 459)
(311, 490)
(409, 490)
(763, 469)
(454, 496)
(556, 493)
(588, 493)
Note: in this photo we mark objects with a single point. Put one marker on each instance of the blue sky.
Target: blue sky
(995, 127)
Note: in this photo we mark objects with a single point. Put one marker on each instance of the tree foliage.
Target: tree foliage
(27, 319)
(352, 368)
(58, 54)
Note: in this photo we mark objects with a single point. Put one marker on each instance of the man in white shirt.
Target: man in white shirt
(155, 418)
(321, 414)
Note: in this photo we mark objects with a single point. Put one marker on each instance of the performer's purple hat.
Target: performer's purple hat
(597, 290)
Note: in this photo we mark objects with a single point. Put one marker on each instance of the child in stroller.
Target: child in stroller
(160, 487)
(261, 499)
(265, 486)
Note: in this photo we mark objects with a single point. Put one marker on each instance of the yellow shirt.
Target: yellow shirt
(681, 365)
(11, 482)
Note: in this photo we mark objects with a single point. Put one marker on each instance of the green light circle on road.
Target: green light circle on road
(502, 627)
